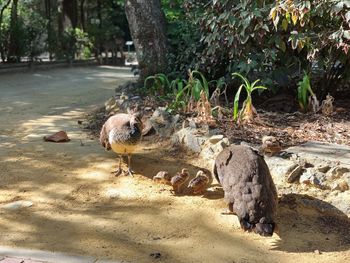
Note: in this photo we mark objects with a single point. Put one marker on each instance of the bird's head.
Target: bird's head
(201, 173)
(184, 173)
(264, 227)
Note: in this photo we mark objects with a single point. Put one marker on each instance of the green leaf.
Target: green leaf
(204, 83)
(196, 90)
(235, 103)
(285, 24)
(245, 80)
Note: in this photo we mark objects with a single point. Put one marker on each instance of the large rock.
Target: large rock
(318, 153)
(208, 146)
(189, 138)
(163, 122)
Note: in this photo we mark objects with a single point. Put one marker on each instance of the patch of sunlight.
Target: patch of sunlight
(17, 158)
(42, 76)
(6, 109)
(92, 175)
(16, 226)
(74, 113)
(106, 164)
(8, 145)
(121, 193)
(21, 103)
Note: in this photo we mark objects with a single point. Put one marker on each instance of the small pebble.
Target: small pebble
(155, 255)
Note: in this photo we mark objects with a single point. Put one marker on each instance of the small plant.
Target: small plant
(248, 111)
(160, 84)
(187, 96)
(220, 89)
(179, 98)
(306, 97)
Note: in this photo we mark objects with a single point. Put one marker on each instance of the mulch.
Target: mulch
(290, 128)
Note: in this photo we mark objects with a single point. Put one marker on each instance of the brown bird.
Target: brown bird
(248, 186)
(199, 183)
(270, 145)
(162, 177)
(122, 133)
(179, 179)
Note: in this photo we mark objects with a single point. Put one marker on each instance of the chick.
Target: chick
(270, 145)
(162, 177)
(179, 179)
(199, 183)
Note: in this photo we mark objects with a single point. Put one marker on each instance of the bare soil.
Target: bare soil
(68, 185)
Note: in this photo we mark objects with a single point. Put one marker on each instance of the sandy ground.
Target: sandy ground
(68, 185)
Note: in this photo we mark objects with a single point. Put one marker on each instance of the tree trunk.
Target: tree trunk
(13, 54)
(147, 26)
(2, 42)
(82, 15)
(49, 27)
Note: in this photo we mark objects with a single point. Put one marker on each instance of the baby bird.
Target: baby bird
(179, 179)
(162, 177)
(270, 145)
(121, 133)
(199, 183)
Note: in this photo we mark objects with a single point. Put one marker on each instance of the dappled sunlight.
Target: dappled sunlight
(80, 207)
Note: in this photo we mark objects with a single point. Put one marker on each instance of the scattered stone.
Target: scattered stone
(147, 127)
(295, 173)
(17, 205)
(110, 104)
(323, 168)
(307, 178)
(163, 122)
(315, 178)
(60, 136)
(225, 142)
(279, 169)
(337, 172)
(346, 178)
(189, 138)
(317, 252)
(216, 138)
(112, 193)
(192, 124)
(340, 201)
(155, 255)
(342, 186)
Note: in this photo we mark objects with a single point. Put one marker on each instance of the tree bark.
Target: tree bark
(13, 54)
(147, 26)
(82, 14)
(2, 43)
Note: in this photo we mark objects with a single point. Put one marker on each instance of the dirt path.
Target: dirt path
(70, 186)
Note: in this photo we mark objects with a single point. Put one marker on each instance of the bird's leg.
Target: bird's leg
(130, 171)
(119, 170)
(229, 210)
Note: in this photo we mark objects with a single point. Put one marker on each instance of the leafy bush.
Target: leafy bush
(274, 40)
(184, 39)
(180, 92)
(75, 42)
(160, 84)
